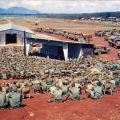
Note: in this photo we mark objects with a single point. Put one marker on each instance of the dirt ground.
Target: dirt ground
(37, 108)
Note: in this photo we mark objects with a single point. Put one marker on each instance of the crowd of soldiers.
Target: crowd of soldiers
(112, 36)
(63, 80)
(9, 96)
(96, 82)
(70, 35)
(107, 33)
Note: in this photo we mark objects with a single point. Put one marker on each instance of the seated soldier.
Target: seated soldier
(15, 99)
(56, 95)
(96, 93)
(6, 88)
(14, 86)
(37, 87)
(74, 92)
(109, 87)
(117, 81)
(64, 88)
(4, 76)
(49, 82)
(3, 101)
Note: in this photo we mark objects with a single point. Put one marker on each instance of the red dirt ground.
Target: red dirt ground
(38, 108)
(113, 55)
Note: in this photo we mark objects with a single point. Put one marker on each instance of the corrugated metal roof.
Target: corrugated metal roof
(14, 27)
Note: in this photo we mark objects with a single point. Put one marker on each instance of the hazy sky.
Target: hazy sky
(64, 6)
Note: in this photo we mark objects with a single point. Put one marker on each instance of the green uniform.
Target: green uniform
(74, 93)
(14, 87)
(3, 101)
(57, 96)
(64, 90)
(37, 87)
(15, 99)
(49, 81)
(96, 93)
(4, 76)
(117, 81)
(44, 85)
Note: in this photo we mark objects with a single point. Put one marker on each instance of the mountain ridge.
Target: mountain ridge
(18, 10)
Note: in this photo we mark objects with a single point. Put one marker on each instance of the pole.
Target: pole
(24, 44)
(25, 54)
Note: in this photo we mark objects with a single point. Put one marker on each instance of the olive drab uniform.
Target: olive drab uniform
(96, 93)
(74, 93)
(57, 95)
(6, 89)
(14, 87)
(64, 90)
(64, 86)
(117, 81)
(3, 101)
(15, 99)
(49, 82)
(4, 76)
(37, 86)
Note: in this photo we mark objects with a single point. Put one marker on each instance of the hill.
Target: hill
(18, 10)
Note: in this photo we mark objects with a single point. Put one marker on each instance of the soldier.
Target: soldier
(15, 99)
(117, 81)
(3, 101)
(49, 81)
(74, 92)
(4, 76)
(44, 85)
(37, 86)
(25, 89)
(57, 95)
(64, 87)
(14, 86)
(79, 85)
(109, 87)
(6, 88)
(96, 93)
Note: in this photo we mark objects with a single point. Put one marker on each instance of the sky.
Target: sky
(64, 6)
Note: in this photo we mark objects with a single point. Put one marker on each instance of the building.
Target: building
(51, 46)
(60, 49)
(13, 34)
